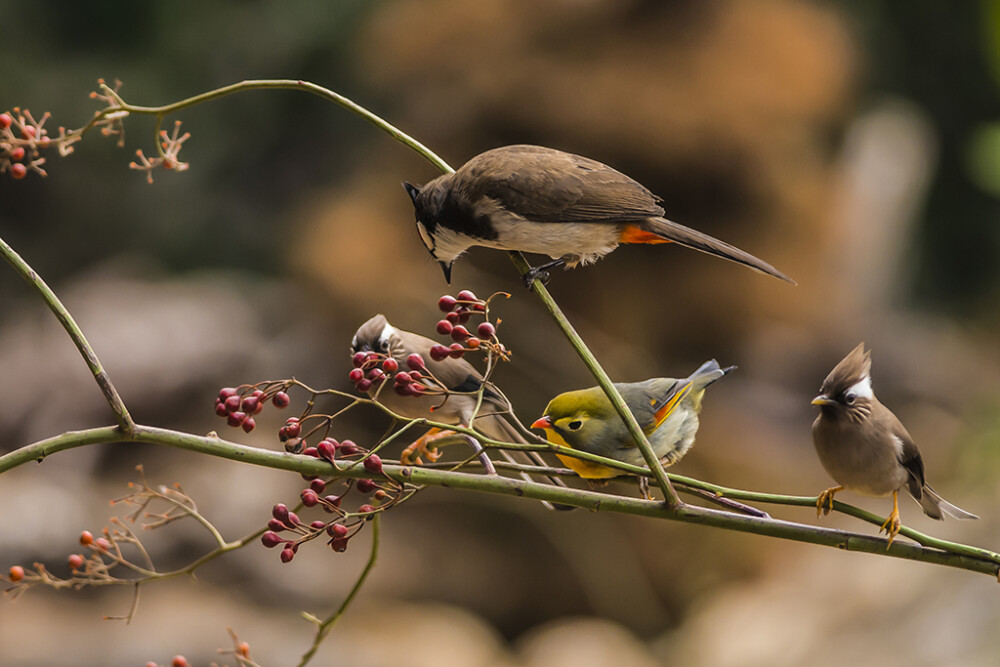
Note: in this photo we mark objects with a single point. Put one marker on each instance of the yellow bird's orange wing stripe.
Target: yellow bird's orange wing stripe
(668, 407)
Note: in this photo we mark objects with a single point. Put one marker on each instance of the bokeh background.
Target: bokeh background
(853, 144)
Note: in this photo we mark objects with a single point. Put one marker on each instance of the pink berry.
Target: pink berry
(248, 424)
(281, 400)
(251, 405)
(359, 358)
(390, 365)
(456, 351)
(276, 526)
(293, 519)
(102, 544)
(332, 501)
(17, 154)
(317, 525)
(226, 392)
(293, 427)
(280, 512)
(339, 544)
(452, 317)
(373, 465)
(446, 303)
(28, 132)
(327, 449)
(444, 327)
(86, 538)
(311, 451)
(459, 334)
(220, 408)
(466, 295)
(236, 418)
(356, 375)
(403, 378)
(337, 530)
(318, 485)
(415, 362)
(439, 352)
(233, 403)
(179, 661)
(18, 171)
(287, 555)
(366, 509)
(347, 448)
(75, 561)
(486, 330)
(309, 498)
(270, 539)
(5, 120)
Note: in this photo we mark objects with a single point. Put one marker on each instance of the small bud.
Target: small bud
(270, 539)
(317, 525)
(15, 573)
(347, 448)
(446, 303)
(86, 538)
(281, 400)
(373, 465)
(102, 544)
(365, 485)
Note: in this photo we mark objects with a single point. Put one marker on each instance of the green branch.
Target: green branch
(931, 551)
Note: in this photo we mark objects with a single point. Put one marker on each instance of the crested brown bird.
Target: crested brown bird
(545, 201)
(866, 449)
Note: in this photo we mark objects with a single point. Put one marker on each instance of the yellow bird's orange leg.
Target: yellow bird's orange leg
(892, 524)
(420, 447)
(826, 498)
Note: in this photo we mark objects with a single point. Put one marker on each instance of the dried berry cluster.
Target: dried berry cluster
(239, 404)
(377, 496)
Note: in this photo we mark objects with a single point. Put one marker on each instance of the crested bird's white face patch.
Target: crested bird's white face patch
(387, 332)
(862, 388)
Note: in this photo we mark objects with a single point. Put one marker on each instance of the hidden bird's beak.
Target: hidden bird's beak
(542, 422)
(446, 269)
(823, 399)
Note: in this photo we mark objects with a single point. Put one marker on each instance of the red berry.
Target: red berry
(287, 555)
(280, 512)
(326, 449)
(236, 418)
(466, 295)
(486, 330)
(17, 154)
(464, 316)
(390, 365)
(18, 171)
(365, 485)
(339, 544)
(251, 405)
(86, 538)
(318, 485)
(444, 327)
(456, 351)
(416, 389)
(248, 424)
(347, 448)
(270, 539)
(309, 498)
(364, 386)
(332, 501)
(415, 362)
(179, 661)
(366, 509)
(28, 131)
(317, 525)
(356, 375)
(276, 526)
(359, 358)
(220, 408)
(439, 352)
(281, 400)
(292, 427)
(376, 374)
(102, 544)
(373, 464)
(446, 303)
(233, 403)
(473, 343)
(452, 317)
(403, 390)
(293, 519)
(226, 392)
(459, 334)
(5, 120)
(337, 530)
(75, 561)
(311, 451)
(403, 378)
(15, 573)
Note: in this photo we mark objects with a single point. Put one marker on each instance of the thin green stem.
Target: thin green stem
(122, 415)
(935, 551)
(323, 629)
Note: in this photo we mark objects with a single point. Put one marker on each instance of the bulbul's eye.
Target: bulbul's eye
(575, 425)
(849, 398)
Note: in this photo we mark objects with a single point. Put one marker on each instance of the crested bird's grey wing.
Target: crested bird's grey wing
(546, 185)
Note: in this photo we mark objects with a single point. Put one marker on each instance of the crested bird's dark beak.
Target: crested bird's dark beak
(446, 269)
(542, 422)
(823, 399)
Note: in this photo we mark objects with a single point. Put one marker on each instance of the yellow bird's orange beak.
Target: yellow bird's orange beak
(542, 422)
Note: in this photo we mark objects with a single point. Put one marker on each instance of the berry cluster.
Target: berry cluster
(239, 404)
(344, 525)
(371, 369)
(458, 310)
(21, 138)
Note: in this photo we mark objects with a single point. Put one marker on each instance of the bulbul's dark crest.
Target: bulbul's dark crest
(847, 390)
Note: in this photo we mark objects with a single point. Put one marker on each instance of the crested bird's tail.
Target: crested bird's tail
(934, 505)
(692, 238)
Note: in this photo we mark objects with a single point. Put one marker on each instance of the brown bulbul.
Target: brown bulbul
(495, 417)
(865, 448)
(541, 200)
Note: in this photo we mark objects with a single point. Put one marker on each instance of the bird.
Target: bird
(665, 408)
(866, 449)
(542, 200)
(495, 417)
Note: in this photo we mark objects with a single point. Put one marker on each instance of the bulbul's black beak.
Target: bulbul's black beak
(446, 269)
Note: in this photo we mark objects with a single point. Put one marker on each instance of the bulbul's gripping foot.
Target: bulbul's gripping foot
(541, 272)
(824, 503)
(892, 523)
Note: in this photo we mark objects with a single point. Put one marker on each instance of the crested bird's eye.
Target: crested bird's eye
(383, 345)
(849, 398)
(575, 425)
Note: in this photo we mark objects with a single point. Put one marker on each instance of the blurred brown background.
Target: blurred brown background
(855, 145)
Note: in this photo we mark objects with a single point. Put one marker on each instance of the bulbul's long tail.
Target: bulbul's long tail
(934, 505)
(692, 238)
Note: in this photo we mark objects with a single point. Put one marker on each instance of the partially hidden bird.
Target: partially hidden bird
(866, 449)
(665, 408)
(542, 200)
(495, 418)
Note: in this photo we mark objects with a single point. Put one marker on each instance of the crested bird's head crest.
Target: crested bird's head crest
(848, 387)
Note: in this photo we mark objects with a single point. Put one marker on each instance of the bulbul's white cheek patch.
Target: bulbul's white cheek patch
(863, 388)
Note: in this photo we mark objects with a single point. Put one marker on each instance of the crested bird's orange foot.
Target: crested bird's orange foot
(824, 502)
(891, 526)
(422, 447)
